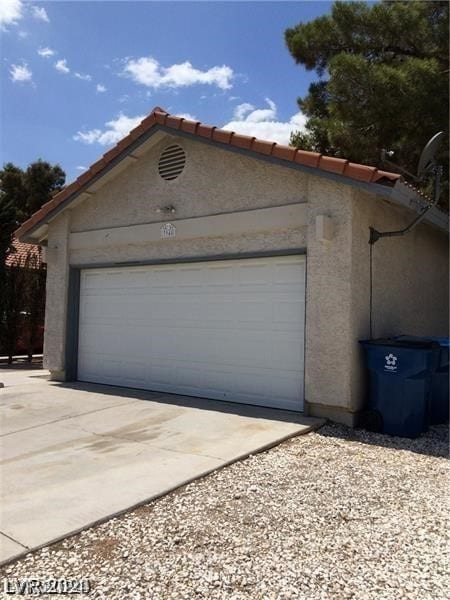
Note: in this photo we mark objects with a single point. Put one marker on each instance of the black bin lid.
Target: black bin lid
(413, 344)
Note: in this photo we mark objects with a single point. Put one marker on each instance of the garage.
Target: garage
(176, 263)
(228, 330)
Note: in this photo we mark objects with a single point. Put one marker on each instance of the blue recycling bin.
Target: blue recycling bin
(400, 384)
(439, 402)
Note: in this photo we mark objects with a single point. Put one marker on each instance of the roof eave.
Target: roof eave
(390, 187)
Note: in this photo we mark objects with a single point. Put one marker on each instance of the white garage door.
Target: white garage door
(229, 330)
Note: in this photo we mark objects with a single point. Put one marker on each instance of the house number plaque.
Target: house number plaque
(168, 231)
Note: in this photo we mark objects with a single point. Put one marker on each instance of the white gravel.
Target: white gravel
(334, 514)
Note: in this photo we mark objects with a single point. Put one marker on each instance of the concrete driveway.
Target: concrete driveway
(76, 454)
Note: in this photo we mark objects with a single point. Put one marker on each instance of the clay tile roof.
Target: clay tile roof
(159, 116)
(24, 255)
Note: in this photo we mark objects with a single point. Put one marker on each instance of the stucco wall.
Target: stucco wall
(410, 274)
(328, 297)
(264, 241)
(213, 181)
(410, 281)
(57, 256)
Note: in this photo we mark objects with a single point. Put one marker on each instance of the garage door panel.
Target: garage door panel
(289, 312)
(188, 310)
(252, 382)
(189, 277)
(253, 274)
(286, 353)
(218, 309)
(134, 280)
(95, 308)
(228, 330)
(251, 311)
(219, 275)
(159, 374)
(289, 273)
(284, 385)
(189, 377)
(133, 371)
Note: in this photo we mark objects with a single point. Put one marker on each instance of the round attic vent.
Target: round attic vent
(171, 162)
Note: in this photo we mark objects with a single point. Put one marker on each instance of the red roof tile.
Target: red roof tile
(24, 255)
(263, 147)
(189, 126)
(359, 172)
(160, 117)
(242, 141)
(205, 131)
(221, 135)
(174, 122)
(332, 164)
(284, 152)
(310, 159)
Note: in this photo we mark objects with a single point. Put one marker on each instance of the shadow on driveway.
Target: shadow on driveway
(22, 364)
(231, 408)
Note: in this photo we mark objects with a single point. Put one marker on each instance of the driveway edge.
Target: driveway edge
(306, 429)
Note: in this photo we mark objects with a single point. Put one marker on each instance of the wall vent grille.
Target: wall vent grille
(171, 162)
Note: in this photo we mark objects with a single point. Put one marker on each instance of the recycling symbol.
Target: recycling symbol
(391, 360)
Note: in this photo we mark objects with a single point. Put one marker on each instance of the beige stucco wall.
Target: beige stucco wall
(410, 272)
(213, 181)
(410, 293)
(57, 256)
(410, 281)
(328, 296)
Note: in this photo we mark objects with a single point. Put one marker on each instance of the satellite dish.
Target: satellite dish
(427, 161)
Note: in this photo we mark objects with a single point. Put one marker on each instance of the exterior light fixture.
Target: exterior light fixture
(166, 209)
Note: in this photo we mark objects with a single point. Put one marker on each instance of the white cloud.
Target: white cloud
(264, 124)
(23, 34)
(81, 168)
(83, 76)
(20, 73)
(147, 71)
(242, 109)
(39, 12)
(186, 116)
(61, 66)
(11, 11)
(114, 131)
(100, 88)
(46, 52)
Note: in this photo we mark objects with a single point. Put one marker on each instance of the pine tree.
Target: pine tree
(382, 80)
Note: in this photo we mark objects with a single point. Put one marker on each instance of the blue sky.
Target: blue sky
(76, 76)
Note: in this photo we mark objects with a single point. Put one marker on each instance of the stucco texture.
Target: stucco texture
(410, 273)
(410, 281)
(213, 181)
(328, 296)
(56, 294)
(410, 291)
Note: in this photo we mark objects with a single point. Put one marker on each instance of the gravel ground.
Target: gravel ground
(332, 514)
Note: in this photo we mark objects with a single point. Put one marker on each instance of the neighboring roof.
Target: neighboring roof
(24, 255)
(262, 148)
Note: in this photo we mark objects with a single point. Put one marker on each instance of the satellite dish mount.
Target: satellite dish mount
(427, 167)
